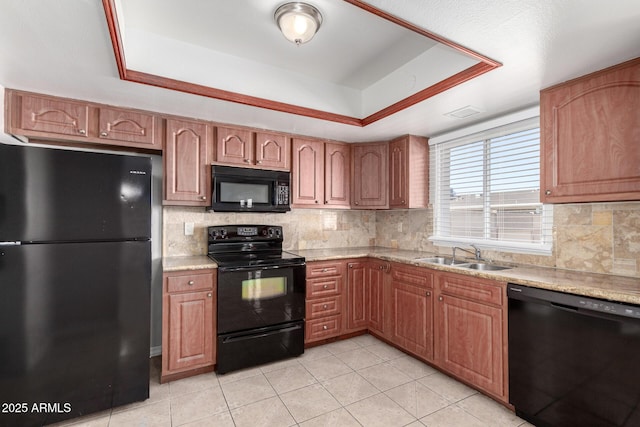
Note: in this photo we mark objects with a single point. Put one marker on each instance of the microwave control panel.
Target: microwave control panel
(282, 189)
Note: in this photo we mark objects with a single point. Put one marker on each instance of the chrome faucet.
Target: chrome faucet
(475, 252)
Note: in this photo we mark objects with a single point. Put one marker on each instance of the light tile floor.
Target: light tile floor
(356, 382)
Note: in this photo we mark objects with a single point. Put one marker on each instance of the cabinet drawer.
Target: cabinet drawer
(190, 282)
(413, 276)
(325, 327)
(325, 269)
(476, 289)
(323, 307)
(318, 288)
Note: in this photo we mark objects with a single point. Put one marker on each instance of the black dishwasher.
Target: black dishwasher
(573, 360)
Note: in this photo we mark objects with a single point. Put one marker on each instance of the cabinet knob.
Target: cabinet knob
(547, 192)
(103, 133)
(325, 327)
(350, 265)
(326, 202)
(315, 201)
(325, 287)
(324, 270)
(403, 202)
(381, 267)
(82, 131)
(325, 306)
(190, 283)
(209, 295)
(440, 299)
(247, 161)
(259, 162)
(203, 197)
(357, 203)
(428, 293)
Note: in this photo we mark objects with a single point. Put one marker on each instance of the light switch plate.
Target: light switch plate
(188, 229)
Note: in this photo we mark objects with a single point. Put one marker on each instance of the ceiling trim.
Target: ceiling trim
(485, 65)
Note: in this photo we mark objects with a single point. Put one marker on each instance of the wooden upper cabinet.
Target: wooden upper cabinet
(590, 137)
(129, 126)
(234, 146)
(370, 176)
(186, 170)
(51, 116)
(307, 173)
(337, 180)
(243, 147)
(272, 151)
(408, 172)
(47, 118)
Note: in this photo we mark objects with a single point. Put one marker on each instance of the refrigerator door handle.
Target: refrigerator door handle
(10, 243)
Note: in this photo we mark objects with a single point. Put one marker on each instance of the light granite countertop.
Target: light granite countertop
(611, 287)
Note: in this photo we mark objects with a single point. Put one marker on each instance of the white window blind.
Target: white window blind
(486, 190)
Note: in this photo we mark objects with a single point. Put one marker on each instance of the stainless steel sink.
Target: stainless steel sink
(483, 267)
(441, 260)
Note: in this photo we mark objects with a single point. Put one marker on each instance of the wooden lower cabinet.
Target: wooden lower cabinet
(188, 323)
(412, 309)
(470, 331)
(324, 300)
(375, 298)
(356, 296)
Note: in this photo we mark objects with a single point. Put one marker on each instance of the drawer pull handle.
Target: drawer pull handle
(324, 270)
(428, 293)
(325, 287)
(82, 131)
(325, 327)
(103, 133)
(190, 283)
(325, 306)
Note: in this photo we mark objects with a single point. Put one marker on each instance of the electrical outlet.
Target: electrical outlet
(188, 229)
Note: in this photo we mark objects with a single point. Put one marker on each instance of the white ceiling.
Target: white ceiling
(63, 48)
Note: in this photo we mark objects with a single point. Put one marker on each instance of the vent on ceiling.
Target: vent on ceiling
(464, 112)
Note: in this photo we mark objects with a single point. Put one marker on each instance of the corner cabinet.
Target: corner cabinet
(188, 323)
(408, 172)
(370, 176)
(471, 332)
(186, 169)
(366, 296)
(590, 136)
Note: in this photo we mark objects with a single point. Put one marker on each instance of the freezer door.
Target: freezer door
(74, 328)
(49, 194)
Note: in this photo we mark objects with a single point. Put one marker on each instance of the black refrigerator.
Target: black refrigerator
(75, 274)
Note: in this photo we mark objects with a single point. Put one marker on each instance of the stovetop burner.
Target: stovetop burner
(249, 245)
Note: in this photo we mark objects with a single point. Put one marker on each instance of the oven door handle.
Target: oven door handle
(257, 267)
(260, 334)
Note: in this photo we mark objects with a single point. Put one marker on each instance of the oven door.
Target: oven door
(255, 297)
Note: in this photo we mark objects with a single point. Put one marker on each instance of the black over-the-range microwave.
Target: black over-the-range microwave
(249, 190)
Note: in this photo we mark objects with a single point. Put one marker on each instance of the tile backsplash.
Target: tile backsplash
(593, 237)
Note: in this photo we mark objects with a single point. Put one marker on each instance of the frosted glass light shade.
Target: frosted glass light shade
(298, 22)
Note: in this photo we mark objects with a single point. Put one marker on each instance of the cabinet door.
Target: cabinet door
(469, 342)
(408, 172)
(337, 182)
(376, 272)
(590, 136)
(54, 116)
(412, 310)
(308, 173)
(190, 330)
(272, 151)
(357, 307)
(370, 176)
(128, 127)
(186, 171)
(234, 146)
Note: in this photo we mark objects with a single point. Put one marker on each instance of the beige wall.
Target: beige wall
(593, 237)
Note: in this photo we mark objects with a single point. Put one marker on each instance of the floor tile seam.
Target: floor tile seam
(173, 424)
(414, 418)
(484, 423)
(176, 396)
(239, 379)
(288, 410)
(355, 401)
(294, 389)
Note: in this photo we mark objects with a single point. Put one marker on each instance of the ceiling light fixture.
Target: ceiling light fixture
(298, 21)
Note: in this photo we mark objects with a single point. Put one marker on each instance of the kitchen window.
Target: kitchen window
(485, 190)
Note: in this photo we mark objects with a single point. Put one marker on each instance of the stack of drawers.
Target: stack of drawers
(325, 283)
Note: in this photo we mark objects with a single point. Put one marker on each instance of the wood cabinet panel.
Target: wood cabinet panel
(479, 290)
(324, 287)
(191, 330)
(307, 173)
(408, 172)
(190, 282)
(57, 116)
(325, 268)
(272, 151)
(234, 146)
(337, 180)
(590, 137)
(322, 328)
(357, 312)
(375, 284)
(370, 176)
(323, 307)
(116, 125)
(186, 170)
